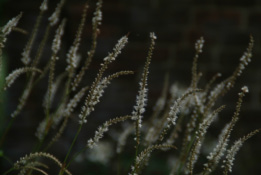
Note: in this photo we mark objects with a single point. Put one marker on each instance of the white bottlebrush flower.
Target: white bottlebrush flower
(153, 36)
(94, 99)
(57, 39)
(244, 60)
(97, 88)
(141, 100)
(175, 107)
(200, 135)
(98, 135)
(216, 91)
(16, 73)
(142, 96)
(11, 24)
(72, 57)
(231, 153)
(221, 147)
(174, 110)
(199, 44)
(28, 47)
(54, 18)
(104, 128)
(144, 156)
(44, 6)
(97, 18)
(74, 101)
(29, 159)
(177, 91)
(117, 49)
(245, 89)
(219, 150)
(83, 115)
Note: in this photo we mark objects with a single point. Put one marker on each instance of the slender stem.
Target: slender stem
(74, 140)
(70, 149)
(136, 155)
(187, 152)
(74, 156)
(39, 54)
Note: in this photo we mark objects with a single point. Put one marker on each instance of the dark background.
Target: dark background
(225, 25)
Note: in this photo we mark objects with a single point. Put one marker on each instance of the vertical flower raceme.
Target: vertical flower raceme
(44, 6)
(55, 48)
(198, 46)
(144, 155)
(72, 58)
(228, 83)
(141, 98)
(230, 157)
(104, 128)
(200, 134)
(195, 75)
(96, 22)
(54, 18)
(27, 50)
(56, 44)
(58, 36)
(97, 88)
(174, 110)
(217, 153)
(6, 30)
(23, 162)
(16, 73)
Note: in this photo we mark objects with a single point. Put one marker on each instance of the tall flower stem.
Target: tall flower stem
(70, 149)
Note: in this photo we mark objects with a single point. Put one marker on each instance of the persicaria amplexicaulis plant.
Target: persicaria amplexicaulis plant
(178, 124)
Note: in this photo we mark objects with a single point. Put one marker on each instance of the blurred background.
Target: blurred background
(225, 25)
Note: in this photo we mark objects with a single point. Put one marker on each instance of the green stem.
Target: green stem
(70, 149)
(74, 156)
(187, 152)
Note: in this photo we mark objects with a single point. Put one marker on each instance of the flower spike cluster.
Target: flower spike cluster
(96, 22)
(54, 18)
(141, 98)
(28, 48)
(217, 153)
(177, 108)
(99, 84)
(231, 153)
(6, 30)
